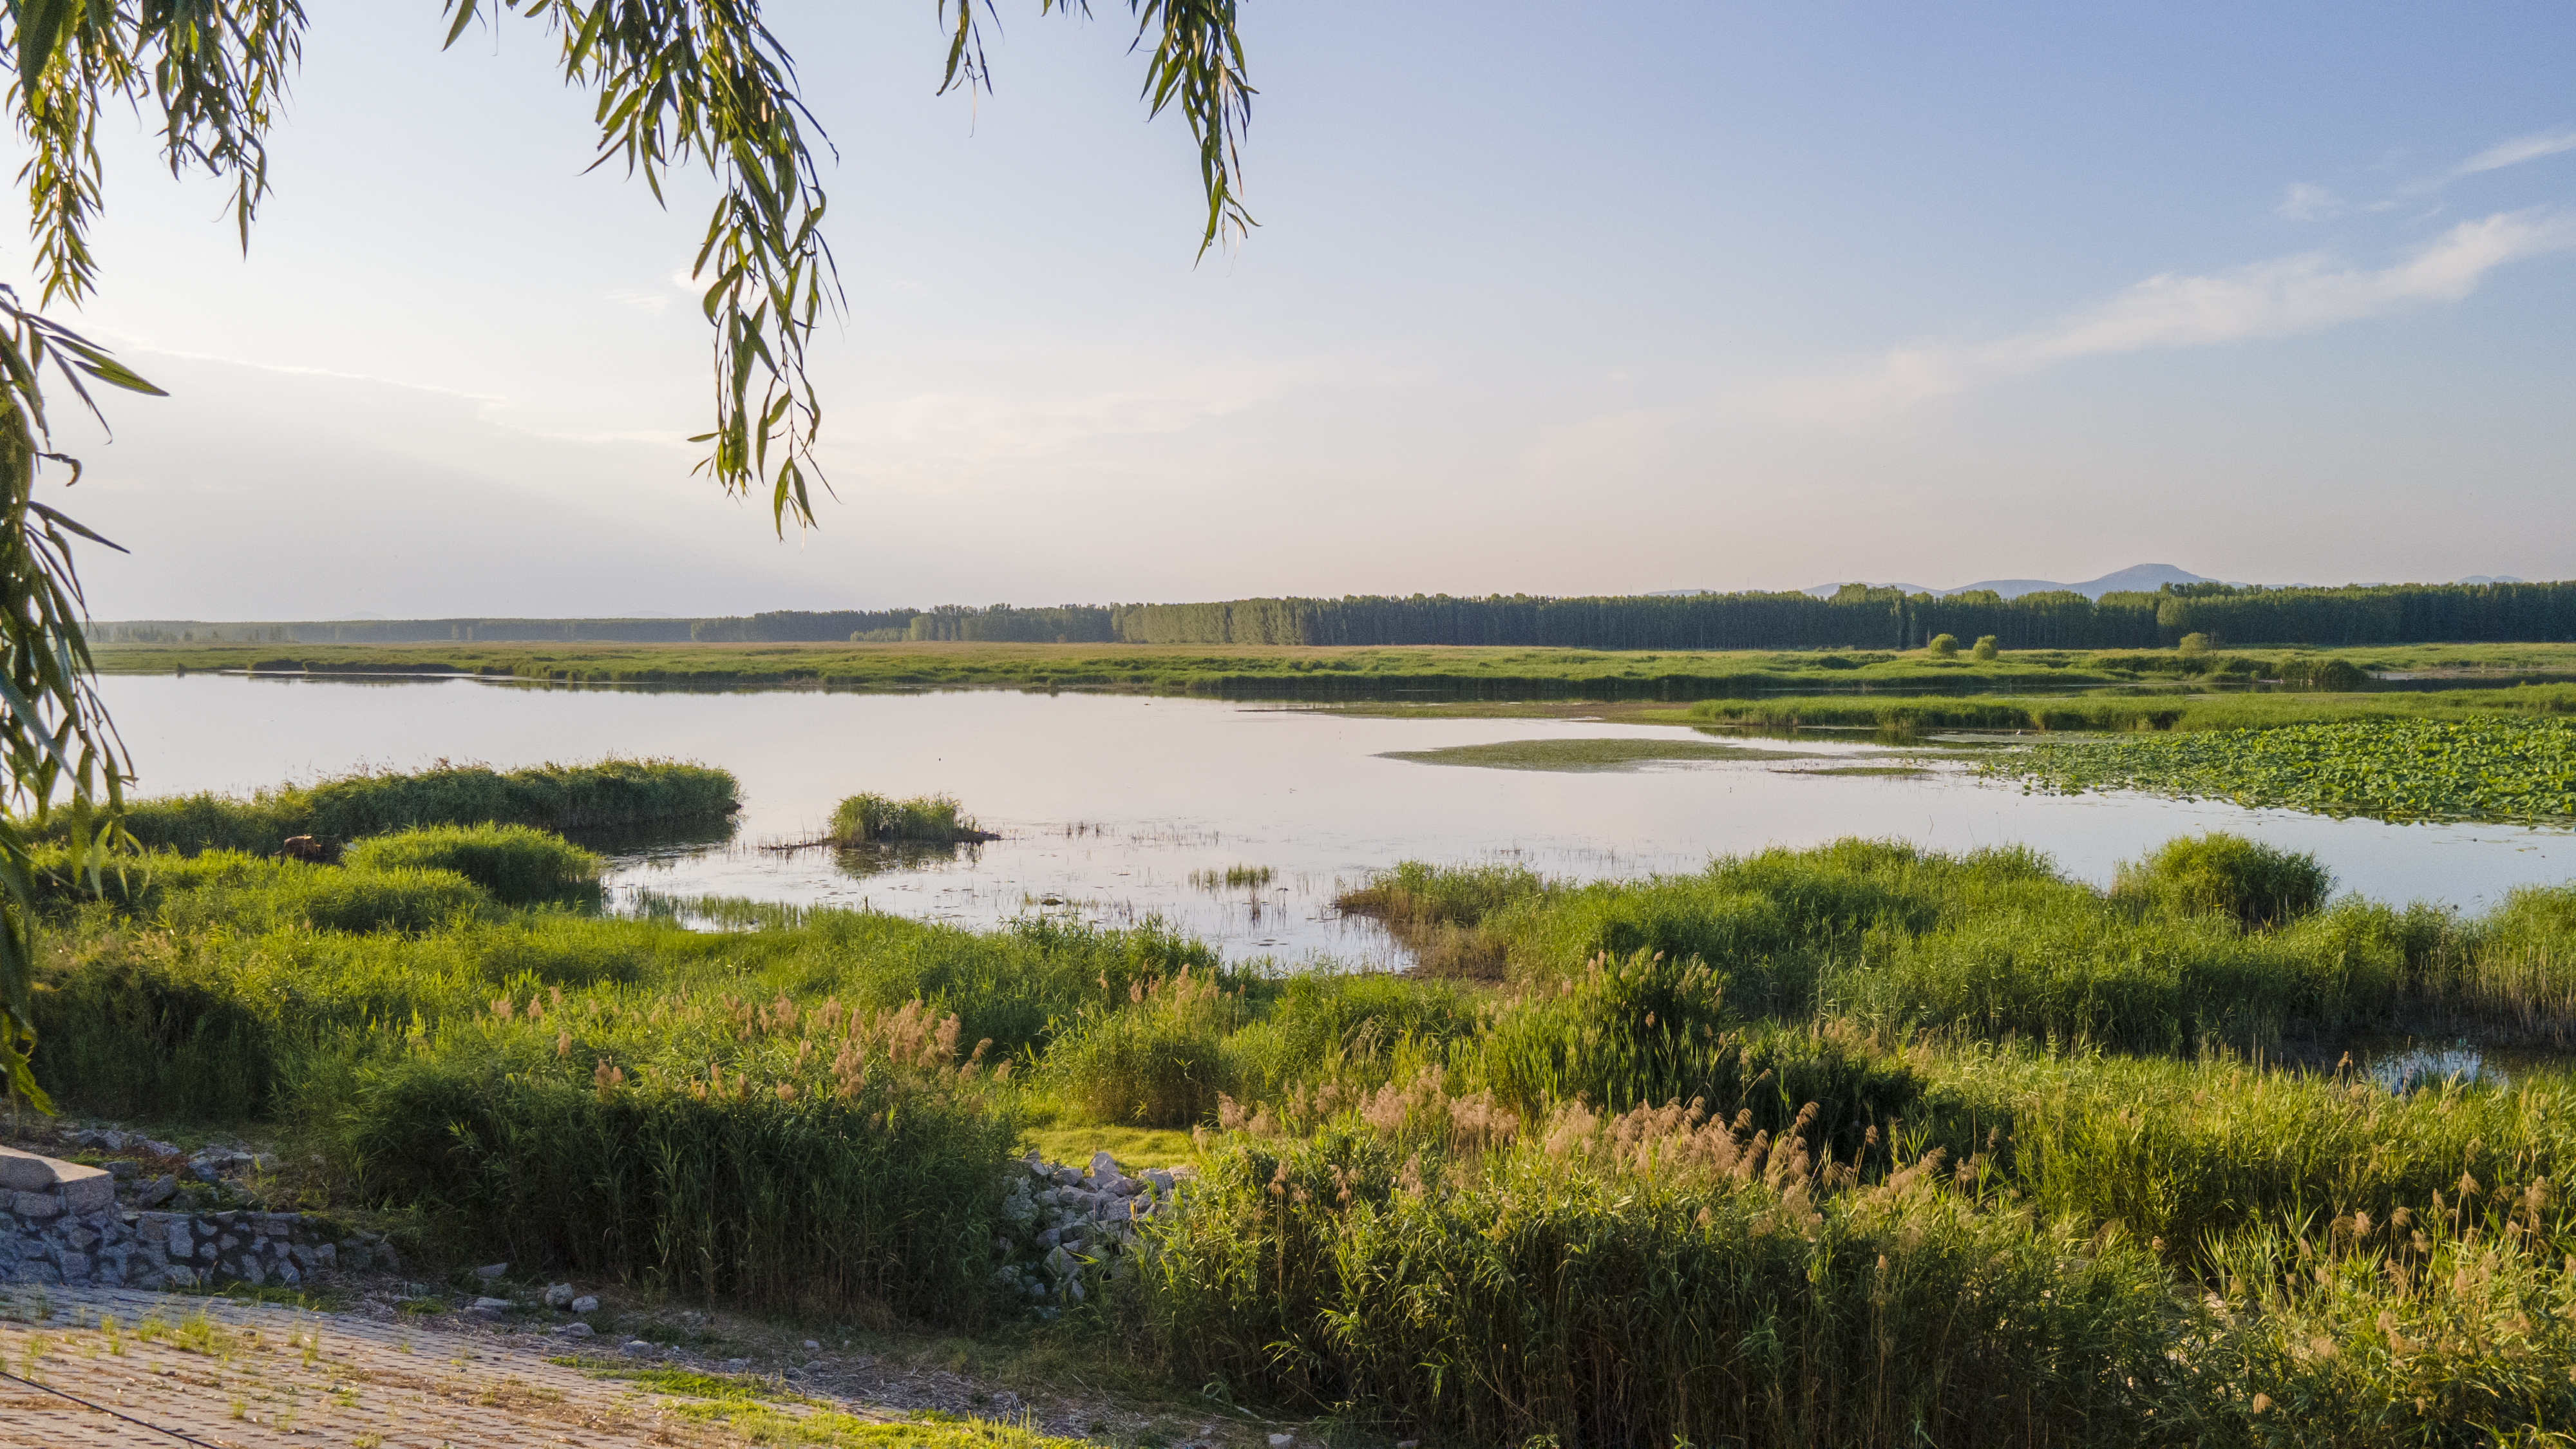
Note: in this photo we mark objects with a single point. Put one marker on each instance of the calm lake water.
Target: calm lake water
(1108, 804)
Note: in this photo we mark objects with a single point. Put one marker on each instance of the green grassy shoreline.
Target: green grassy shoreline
(1691, 1145)
(1329, 674)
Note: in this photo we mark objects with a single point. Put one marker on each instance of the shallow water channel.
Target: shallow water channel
(1109, 804)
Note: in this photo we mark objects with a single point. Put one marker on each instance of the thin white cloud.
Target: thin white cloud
(2307, 201)
(2517, 151)
(2267, 299)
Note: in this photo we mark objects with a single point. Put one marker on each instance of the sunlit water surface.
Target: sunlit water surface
(1108, 804)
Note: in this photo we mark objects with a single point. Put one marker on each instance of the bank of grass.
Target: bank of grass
(1591, 754)
(606, 794)
(2130, 710)
(1856, 1145)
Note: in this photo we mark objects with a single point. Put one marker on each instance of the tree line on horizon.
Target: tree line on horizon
(1855, 617)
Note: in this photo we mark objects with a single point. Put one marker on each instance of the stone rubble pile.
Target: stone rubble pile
(61, 1223)
(1068, 1226)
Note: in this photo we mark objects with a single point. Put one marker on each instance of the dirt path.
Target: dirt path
(163, 1371)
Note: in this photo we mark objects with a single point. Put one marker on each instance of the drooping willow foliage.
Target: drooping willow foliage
(679, 84)
(62, 752)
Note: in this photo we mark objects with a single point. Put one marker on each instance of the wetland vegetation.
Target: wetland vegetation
(1790, 1151)
(2473, 766)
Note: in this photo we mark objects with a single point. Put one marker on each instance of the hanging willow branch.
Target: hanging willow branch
(680, 83)
(66, 767)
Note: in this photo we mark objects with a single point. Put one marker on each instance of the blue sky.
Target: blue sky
(1558, 298)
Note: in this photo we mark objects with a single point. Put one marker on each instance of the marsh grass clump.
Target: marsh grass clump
(1438, 912)
(1233, 877)
(1161, 1060)
(2261, 886)
(518, 864)
(922, 820)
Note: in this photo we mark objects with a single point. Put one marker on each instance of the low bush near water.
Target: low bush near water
(2257, 884)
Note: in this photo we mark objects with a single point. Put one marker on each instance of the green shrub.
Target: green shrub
(2194, 644)
(925, 819)
(1985, 650)
(1942, 646)
(2260, 885)
(1163, 1060)
(517, 864)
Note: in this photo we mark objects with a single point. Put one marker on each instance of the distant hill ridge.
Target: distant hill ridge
(2143, 578)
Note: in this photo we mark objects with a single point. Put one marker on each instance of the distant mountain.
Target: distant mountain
(2491, 579)
(2141, 578)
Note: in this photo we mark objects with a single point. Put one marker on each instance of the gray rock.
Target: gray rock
(489, 1307)
(1103, 1166)
(1161, 1179)
(585, 1304)
(39, 1205)
(123, 1170)
(1282, 1441)
(812, 1347)
(736, 1365)
(636, 1345)
(158, 1191)
(559, 1295)
(1067, 1176)
(490, 1271)
(577, 1329)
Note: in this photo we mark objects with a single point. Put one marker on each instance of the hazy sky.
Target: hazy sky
(1564, 298)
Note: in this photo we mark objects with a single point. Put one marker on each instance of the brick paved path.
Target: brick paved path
(247, 1376)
